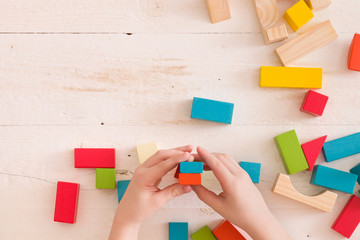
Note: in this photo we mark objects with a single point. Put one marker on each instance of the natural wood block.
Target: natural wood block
(342, 147)
(178, 231)
(312, 150)
(270, 20)
(324, 201)
(146, 150)
(219, 10)
(226, 231)
(290, 77)
(318, 4)
(356, 170)
(203, 233)
(291, 152)
(307, 42)
(211, 110)
(354, 54)
(190, 178)
(334, 179)
(106, 178)
(94, 157)
(298, 15)
(349, 217)
(67, 198)
(314, 103)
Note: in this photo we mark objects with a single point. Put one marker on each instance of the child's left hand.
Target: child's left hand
(143, 197)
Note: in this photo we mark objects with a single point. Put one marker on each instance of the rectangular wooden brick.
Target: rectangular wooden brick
(212, 110)
(67, 198)
(342, 147)
(94, 157)
(226, 231)
(191, 167)
(178, 231)
(189, 178)
(203, 233)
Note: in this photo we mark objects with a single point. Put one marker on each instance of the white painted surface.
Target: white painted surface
(57, 87)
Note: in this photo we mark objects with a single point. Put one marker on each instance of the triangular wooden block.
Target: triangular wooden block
(312, 150)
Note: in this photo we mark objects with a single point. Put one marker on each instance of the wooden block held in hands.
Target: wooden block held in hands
(190, 178)
(191, 167)
(219, 10)
(67, 198)
(356, 170)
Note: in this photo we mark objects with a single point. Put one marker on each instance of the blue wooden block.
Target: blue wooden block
(191, 167)
(334, 179)
(342, 147)
(211, 110)
(122, 186)
(178, 231)
(356, 170)
(253, 169)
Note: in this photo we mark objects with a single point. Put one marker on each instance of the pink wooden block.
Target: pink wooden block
(314, 103)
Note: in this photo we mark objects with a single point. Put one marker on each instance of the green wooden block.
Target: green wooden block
(291, 152)
(203, 233)
(105, 178)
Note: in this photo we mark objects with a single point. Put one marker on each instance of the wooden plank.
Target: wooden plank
(306, 43)
(324, 201)
(342, 147)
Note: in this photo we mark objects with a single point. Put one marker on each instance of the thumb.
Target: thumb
(172, 191)
(207, 196)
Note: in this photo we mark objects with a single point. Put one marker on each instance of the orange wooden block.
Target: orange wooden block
(354, 54)
(226, 231)
(190, 178)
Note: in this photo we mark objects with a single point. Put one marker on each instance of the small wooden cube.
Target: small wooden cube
(106, 178)
(298, 15)
(219, 10)
(67, 195)
(277, 33)
(354, 54)
(314, 103)
(178, 231)
(226, 231)
(190, 178)
(318, 4)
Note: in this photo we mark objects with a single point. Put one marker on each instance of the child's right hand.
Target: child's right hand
(240, 202)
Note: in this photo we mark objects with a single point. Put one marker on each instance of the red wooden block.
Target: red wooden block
(176, 175)
(354, 54)
(312, 150)
(314, 103)
(94, 157)
(67, 195)
(226, 231)
(349, 217)
(190, 178)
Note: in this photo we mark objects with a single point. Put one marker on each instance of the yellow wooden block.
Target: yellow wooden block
(144, 151)
(298, 15)
(318, 4)
(291, 77)
(219, 10)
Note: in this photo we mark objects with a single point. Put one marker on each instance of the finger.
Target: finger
(164, 154)
(186, 148)
(207, 196)
(171, 192)
(228, 162)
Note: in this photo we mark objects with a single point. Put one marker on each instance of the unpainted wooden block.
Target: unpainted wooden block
(306, 43)
(67, 198)
(291, 152)
(253, 169)
(349, 217)
(219, 10)
(191, 167)
(106, 178)
(290, 77)
(318, 4)
(298, 15)
(324, 201)
(342, 147)
(334, 179)
(312, 150)
(354, 54)
(94, 157)
(146, 150)
(203, 233)
(121, 187)
(190, 178)
(226, 231)
(356, 170)
(178, 231)
(212, 110)
(276, 33)
(314, 103)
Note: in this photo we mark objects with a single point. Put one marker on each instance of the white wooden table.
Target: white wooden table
(115, 73)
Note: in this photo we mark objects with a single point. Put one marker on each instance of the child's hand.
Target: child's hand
(143, 197)
(240, 202)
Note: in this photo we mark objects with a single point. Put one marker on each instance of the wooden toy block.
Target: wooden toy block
(211, 110)
(226, 231)
(253, 169)
(290, 77)
(298, 15)
(356, 170)
(106, 178)
(67, 197)
(291, 152)
(203, 233)
(312, 150)
(176, 175)
(146, 150)
(334, 179)
(219, 10)
(342, 147)
(189, 178)
(354, 54)
(178, 231)
(94, 157)
(314, 103)
(324, 201)
(191, 167)
(349, 217)
(318, 4)
(270, 20)
(306, 43)
(121, 187)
